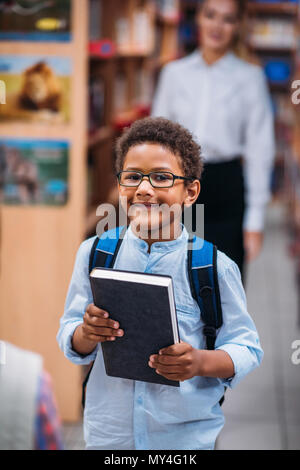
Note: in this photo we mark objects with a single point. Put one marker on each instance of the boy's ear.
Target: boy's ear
(193, 191)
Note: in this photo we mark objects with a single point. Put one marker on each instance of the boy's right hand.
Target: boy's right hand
(98, 327)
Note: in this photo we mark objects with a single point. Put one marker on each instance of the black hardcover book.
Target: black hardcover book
(144, 306)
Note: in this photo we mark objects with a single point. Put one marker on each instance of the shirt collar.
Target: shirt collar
(172, 245)
(224, 61)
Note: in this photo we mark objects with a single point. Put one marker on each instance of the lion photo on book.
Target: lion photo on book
(36, 93)
(41, 89)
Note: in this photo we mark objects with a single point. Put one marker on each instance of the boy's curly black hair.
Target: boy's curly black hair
(169, 134)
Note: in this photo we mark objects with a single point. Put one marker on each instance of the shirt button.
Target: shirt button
(140, 400)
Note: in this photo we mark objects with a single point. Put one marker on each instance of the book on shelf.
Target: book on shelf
(168, 9)
(144, 87)
(95, 13)
(120, 102)
(123, 36)
(134, 34)
(273, 33)
(96, 103)
(143, 35)
(144, 306)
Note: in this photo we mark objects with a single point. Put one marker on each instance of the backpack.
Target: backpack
(203, 277)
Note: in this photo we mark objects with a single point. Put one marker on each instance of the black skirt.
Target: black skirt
(222, 193)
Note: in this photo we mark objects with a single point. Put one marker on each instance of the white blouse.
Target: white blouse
(227, 107)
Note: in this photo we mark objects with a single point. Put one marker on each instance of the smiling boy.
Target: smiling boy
(159, 166)
(149, 202)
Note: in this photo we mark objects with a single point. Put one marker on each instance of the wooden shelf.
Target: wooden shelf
(39, 266)
(126, 57)
(280, 88)
(279, 8)
(168, 20)
(126, 118)
(273, 50)
(133, 54)
(98, 57)
(100, 136)
(120, 55)
(163, 60)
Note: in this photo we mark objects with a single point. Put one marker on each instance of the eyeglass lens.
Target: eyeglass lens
(157, 179)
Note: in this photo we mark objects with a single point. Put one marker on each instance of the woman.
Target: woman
(224, 101)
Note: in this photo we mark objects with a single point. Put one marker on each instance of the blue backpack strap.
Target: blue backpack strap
(105, 248)
(202, 268)
(103, 254)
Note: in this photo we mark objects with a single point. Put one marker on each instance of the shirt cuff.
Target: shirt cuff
(254, 219)
(242, 365)
(69, 352)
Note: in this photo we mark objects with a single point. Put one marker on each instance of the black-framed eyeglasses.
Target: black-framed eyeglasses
(158, 179)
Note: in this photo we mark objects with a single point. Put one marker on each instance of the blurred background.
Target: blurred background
(73, 75)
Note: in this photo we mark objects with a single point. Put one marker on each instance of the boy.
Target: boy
(159, 165)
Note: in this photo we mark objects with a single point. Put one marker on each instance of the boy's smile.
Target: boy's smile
(148, 207)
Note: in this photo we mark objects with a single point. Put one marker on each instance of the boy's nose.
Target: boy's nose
(145, 186)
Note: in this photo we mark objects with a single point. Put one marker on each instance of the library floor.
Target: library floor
(263, 412)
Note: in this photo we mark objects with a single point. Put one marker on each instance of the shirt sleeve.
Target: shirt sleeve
(48, 434)
(238, 335)
(79, 296)
(259, 149)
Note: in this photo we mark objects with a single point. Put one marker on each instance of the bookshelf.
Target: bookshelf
(273, 42)
(293, 170)
(274, 8)
(141, 36)
(276, 38)
(116, 52)
(39, 239)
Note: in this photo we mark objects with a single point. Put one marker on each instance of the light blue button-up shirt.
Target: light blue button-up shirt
(127, 414)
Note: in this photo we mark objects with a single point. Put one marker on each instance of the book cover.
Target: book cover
(146, 312)
(37, 89)
(35, 20)
(34, 172)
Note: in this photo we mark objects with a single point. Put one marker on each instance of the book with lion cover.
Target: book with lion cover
(37, 89)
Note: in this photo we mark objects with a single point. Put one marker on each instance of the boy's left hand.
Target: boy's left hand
(177, 362)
